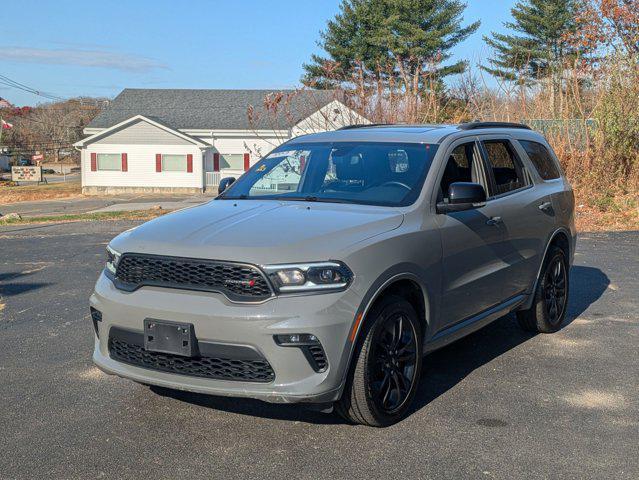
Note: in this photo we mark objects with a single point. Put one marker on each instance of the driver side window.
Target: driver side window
(462, 166)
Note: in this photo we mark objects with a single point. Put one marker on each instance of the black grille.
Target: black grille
(237, 281)
(318, 356)
(206, 367)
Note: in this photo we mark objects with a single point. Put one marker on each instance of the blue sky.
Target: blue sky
(72, 48)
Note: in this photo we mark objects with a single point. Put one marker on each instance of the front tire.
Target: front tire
(551, 295)
(386, 366)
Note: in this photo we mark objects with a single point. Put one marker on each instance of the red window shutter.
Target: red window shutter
(247, 161)
(94, 162)
(125, 163)
(216, 162)
(189, 163)
(302, 163)
(158, 162)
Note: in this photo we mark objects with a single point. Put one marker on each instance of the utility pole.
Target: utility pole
(1, 131)
(1, 148)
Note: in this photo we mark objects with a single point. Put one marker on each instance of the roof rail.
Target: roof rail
(351, 127)
(480, 125)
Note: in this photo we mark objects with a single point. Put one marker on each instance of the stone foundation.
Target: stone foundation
(93, 190)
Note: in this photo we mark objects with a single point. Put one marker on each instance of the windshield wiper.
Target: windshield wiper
(307, 198)
(239, 197)
(312, 198)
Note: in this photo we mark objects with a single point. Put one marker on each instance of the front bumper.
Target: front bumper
(215, 319)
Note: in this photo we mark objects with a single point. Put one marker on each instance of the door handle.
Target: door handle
(494, 221)
(545, 207)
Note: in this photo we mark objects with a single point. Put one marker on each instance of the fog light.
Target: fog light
(310, 346)
(296, 340)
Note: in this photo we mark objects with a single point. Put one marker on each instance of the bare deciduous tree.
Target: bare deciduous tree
(50, 128)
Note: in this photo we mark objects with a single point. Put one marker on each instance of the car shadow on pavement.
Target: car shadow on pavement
(587, 285)
(9, 288)
(442, 370)
(254, 408)
(445, 368)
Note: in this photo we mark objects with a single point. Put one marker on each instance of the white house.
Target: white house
(183, 141)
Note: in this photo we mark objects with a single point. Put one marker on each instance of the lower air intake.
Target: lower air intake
(201, 366)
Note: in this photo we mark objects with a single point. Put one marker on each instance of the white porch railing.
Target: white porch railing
(213, 178)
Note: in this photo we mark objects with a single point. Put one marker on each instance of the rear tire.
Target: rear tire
(386, 366)
(551, 295)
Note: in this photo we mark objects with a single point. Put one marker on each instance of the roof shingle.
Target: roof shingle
(213, 109)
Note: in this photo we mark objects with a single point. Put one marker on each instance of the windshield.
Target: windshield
(387, 174)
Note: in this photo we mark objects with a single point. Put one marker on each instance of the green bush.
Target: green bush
(617, 114)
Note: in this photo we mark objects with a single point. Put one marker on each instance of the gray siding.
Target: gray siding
(141, 133)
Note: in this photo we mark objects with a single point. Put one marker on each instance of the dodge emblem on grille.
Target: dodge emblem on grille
(248, 283)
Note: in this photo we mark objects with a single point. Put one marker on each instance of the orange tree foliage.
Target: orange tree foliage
(609, 23)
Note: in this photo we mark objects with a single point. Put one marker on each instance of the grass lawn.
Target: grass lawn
(27, 193)
(607, 212)
(87, 217)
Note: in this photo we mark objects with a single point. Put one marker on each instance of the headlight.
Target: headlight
(113, 258)
(306, 277)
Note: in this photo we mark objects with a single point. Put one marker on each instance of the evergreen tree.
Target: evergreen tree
(378, 41)
(348, 45)
(539, 45)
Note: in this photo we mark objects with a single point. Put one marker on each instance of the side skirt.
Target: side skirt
(471, 324)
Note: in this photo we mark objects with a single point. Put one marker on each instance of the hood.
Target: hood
(260, 232)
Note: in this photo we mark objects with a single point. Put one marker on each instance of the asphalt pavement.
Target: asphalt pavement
(57, 178)
(500, 403)
(91, 204)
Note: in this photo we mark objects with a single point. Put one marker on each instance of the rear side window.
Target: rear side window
(542, 159)
(507, 170)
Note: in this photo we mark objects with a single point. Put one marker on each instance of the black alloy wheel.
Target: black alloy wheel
(386, 366)
(554, 287)
(394, 357)
(550, 301)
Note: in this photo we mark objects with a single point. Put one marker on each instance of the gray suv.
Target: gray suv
(327, 271)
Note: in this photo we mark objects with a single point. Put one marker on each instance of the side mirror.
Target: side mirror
(224, 184)
(463, 196)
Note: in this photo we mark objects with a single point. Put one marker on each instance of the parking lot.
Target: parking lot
(500, 403)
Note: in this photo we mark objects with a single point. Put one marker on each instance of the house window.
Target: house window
(109, 161)
(174, 163)
(234, 161)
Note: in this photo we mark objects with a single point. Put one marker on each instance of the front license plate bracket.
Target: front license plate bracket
(170, 337)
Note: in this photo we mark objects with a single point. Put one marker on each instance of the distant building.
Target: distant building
(5, 103)
(152, 141)
(5, 162)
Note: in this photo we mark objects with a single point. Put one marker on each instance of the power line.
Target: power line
(4, 80)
